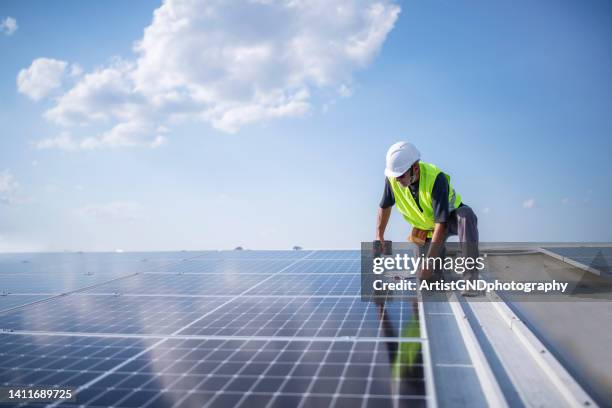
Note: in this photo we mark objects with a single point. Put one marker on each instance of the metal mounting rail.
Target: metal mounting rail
(430, 389)
(571, 391)
(537, 376)
(490, 387)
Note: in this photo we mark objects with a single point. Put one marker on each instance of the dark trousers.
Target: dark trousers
(463, 223)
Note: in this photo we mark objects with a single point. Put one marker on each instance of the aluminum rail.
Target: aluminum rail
(490, 387)
(430, 387)
(539, 379)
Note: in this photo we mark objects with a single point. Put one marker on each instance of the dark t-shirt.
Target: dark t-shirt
(439, 197)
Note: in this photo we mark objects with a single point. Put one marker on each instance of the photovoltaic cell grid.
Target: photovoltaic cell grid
(9, 302)
(326, 317)
(227, 266)
(239, 328)
(222, 284)
(91, 263)
(108, 314)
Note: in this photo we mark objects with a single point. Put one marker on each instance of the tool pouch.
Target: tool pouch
(418, 236)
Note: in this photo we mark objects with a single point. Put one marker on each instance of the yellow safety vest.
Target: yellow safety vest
(406, 205)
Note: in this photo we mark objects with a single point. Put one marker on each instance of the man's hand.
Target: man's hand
(381, 223)
(381, 248)
(424, 273)
(435, 246)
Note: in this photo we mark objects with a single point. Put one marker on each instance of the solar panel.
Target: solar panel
(224, 265)
(223, 284)
(216, 328)
(88, 263)
(325, 266)
(107, 314)
(52, 283)
(8, 301)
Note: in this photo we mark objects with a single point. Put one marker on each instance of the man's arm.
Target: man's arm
(437, 239)
(381, 222)
(384, 210)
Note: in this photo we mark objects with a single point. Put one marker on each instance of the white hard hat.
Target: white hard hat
(400, 157)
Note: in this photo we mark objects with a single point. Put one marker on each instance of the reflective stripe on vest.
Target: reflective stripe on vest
(406, 205)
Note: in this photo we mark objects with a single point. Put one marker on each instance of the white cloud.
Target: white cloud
(230, 64)
(241, 64)
(41, 78)
(8, 188)
(565, 201)
(101, 96)
(8, 26)
(119, 211)
(486, 210)
(63, 142)
(127, 134)
(529, 203)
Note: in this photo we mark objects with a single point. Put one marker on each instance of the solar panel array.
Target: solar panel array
(215, 328)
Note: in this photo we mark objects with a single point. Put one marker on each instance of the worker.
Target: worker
(424, 195)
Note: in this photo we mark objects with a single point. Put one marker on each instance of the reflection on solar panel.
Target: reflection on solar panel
(238, 328)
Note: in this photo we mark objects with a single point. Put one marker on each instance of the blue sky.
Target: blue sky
(512, 99)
